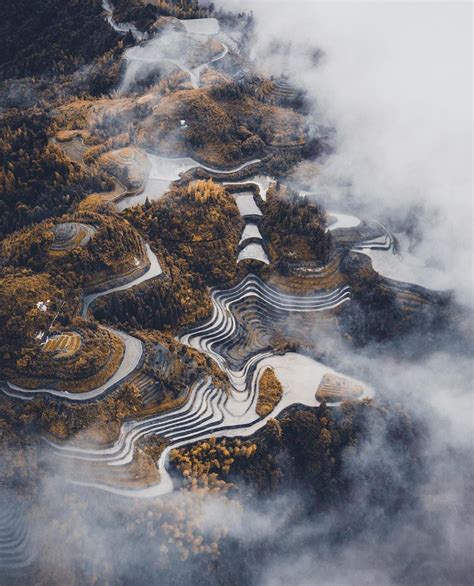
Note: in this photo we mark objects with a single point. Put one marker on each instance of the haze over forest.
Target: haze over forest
(236, 293)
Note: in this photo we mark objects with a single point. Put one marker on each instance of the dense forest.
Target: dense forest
(114, 248)
(201, 225)
(225, 125)
(381, 313)
(37, 180)
(144, 14)
(196, 228)
(176, 299)
(295, 228)
(305, 448)
(20, 316)
(47, 37)
(312, 459)
(78, 149)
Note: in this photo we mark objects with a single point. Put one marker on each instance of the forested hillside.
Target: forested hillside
(206, 376)
(37, 180)
(47, 37)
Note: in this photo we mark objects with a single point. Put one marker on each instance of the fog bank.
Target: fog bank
(395, 81)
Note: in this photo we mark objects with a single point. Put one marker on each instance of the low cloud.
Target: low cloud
(395, 81)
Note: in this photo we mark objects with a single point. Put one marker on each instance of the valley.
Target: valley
(165, 284)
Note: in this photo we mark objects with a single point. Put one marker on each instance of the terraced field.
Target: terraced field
(238, 337)
(208, 411)
(385, 241)
(278, 91)
(154, 270)
(250, 232)
(342, 221)
(254, 251)
(334, 388)
(130, 165)
(247, 319)
(263, 182)
(70, 235)
(16, 545)
(246, 204)
(63, 345)
(392, 259)
(251, 245)
(246, 316)
(164, 170)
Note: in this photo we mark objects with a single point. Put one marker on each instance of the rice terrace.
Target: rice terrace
(235, 314)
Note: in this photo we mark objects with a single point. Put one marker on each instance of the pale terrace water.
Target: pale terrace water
(246, 204)
(250, 231)
(402, 266)
(210, 411)
(342, 221)
(165, 170)
(253, 251)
